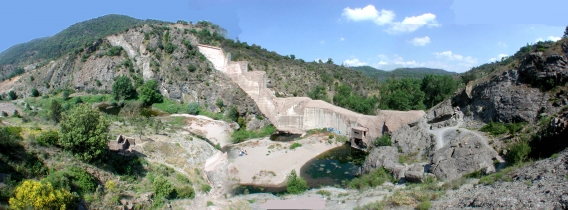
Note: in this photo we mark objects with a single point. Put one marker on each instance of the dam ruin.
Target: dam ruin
(297, 114)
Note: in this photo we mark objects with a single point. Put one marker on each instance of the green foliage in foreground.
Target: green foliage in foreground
(296, 184)
(168, 106)
(84, 132)
(48, 138)
(242, 134)
(371, 179)
(494, 128)
(403, 94)
(193, 108)
(518, 152)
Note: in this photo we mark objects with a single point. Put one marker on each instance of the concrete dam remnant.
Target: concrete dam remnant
(295, 115)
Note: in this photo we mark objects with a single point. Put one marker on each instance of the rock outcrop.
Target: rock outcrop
(466, 152)
(539, 185)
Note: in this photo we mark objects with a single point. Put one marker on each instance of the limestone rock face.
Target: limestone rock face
(538, 68)
(466, 152)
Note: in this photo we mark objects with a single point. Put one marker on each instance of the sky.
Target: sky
(453, 35)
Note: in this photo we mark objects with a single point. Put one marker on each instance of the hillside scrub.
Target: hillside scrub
(295, 184)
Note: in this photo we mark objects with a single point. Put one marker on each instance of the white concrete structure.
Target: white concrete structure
(297, 114)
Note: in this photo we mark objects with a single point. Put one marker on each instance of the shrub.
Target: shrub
(84, 132)
(59, 180)
(220, 103)
(377, 205)
(35, 93)
(205, 188)
(193, 108)
(518, 152)
(384, 140)
(114, 51)
(48, 138)
(38, 195)
(162, 187)
(55, 110)
(82, 180)
(425, 205)
(12, 95)
(323, 192)
(295, 145)
(65, 95)
(185, 192)
(494, 128)
(372, 179)
(296, 184)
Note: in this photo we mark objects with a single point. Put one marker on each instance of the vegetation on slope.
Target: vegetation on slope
(74, 38)
(416, 73)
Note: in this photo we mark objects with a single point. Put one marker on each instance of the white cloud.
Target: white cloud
(410, 24)
(549, 38)
(383, 57)
(554, 38)
(354, 62)
(498, 58)
(418, 41)
(369, 13)
(400, 61)
(341, 39)
(382, 63)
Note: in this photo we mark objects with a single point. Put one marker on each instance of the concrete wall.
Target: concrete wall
(298, 114)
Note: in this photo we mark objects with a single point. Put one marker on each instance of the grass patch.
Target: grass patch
(323, 192)
(295, 145)
(242, 134)
(372, 179)
(169, 106)
(377, 205)
(494, 128)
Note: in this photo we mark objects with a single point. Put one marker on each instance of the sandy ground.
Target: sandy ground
(268, 163)
(217, 131)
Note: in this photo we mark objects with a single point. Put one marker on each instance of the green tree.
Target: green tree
(150, 94)
(318, 93)
(84, 132)
(123, 89)
(296, 184)
(12, 95)
(437, 88)
(403, 94)
(329, 61)
(48, 138)
(55, 110)
(33, 194)
(565, 32)
(35, 93)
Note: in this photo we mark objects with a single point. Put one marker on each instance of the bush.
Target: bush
(122, 88)
(425, 205)
(114, 51)
(372, 179)
(84, 132)
(518, 152)
(38, 195)
(12, 95)
(150, 94)
(162, 187)
(323, 192)
(48, 138)
(494, 128)
(296, 184)
(55, 110)
(193, 108)
(384, 140)
(205, 188)
(35, 93)
(185, 192)
(65, 95)
(82, 180)
(295, 145)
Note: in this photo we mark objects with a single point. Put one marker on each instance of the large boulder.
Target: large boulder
(412, 140)
(381, 157)
(466, 152)
(536, 68)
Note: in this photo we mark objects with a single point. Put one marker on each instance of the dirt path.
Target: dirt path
(216, 131)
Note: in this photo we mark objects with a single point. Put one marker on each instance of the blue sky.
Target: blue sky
(450, 34)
